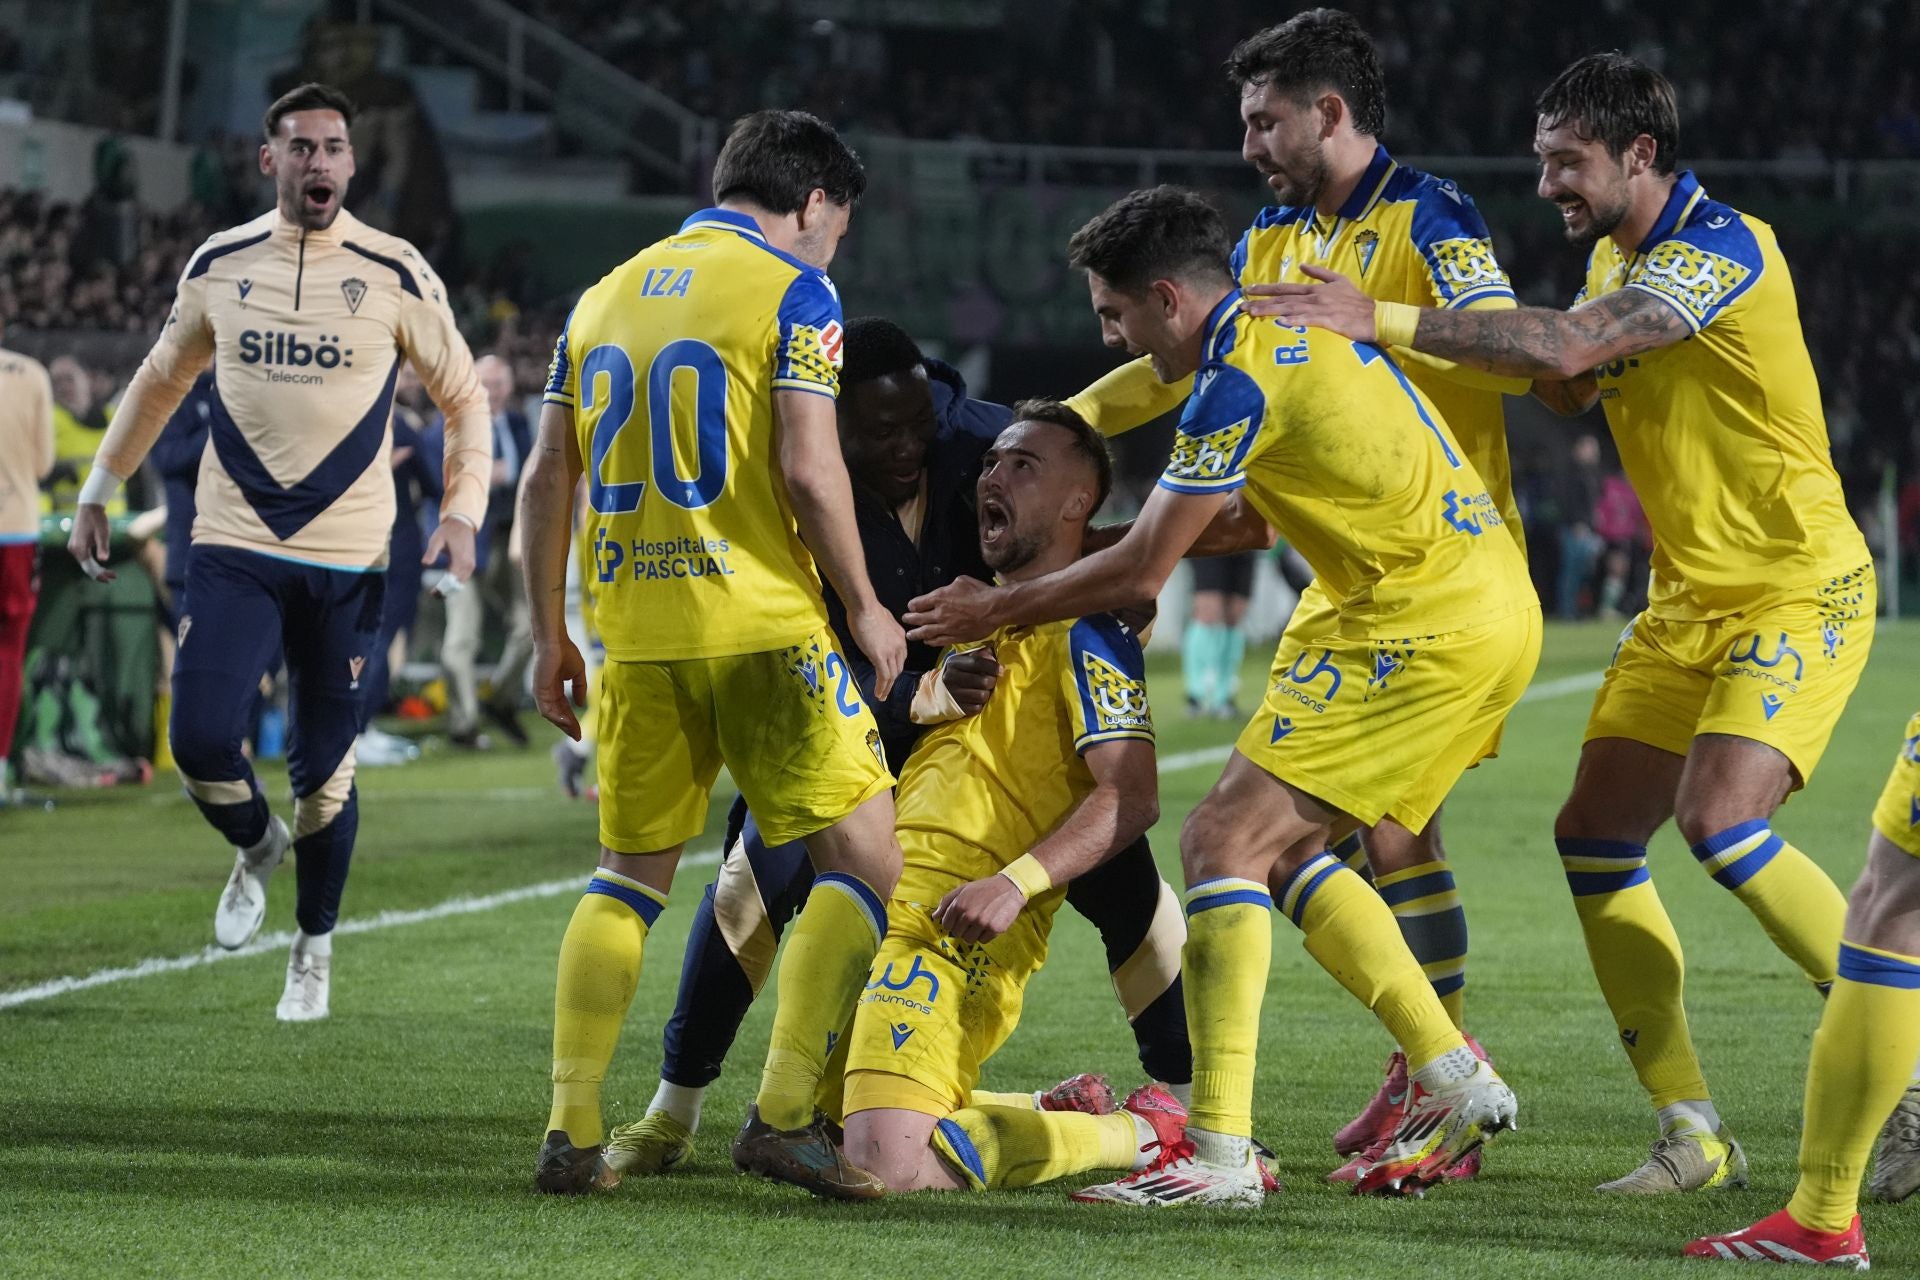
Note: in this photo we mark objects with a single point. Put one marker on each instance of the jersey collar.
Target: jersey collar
(342, 226)
(1372, 183)
(1686, 194)
(1219, 328)
(724, 220)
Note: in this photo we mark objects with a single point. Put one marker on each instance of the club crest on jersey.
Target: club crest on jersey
(354, 667)
(353, 289)
(1698, 279)
(1366, 244)
(1207, 456)
(874, 745)
(1119, 700)
(1463, 264)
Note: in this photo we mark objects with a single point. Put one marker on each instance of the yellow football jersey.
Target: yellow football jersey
(1722, 434)
(979, 792)
(670, 363)
(1344, 456)
(1402, 236)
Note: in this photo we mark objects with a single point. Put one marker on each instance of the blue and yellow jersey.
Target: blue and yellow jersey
(979, 792)
(669, 364)
(1402, 236)
(1349, 462)
(1722, 434)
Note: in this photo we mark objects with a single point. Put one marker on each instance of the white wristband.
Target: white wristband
(101, 484)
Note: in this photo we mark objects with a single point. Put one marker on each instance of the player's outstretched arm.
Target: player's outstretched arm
(1129, 396)
(822, 498)
(1123, 804)
(1236, 527)
(545, 526)
(1528, 342)
(1126, 575)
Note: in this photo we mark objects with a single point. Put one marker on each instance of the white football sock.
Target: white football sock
(1220, 1148)
(1183, 1093)
(1689, 1115)
(680, 1101)
(315, 946)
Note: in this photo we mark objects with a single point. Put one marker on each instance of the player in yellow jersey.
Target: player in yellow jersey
(1722, 695)
(694, 386)
(998, 811)
(1313, 100)
(1435, 635)
(1863, 1053)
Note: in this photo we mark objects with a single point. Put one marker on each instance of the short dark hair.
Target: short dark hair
(1087, 442)
(1318, 49)
(777, 159)
(311, 96)
(876, 347)
(1157, 234)
(1612, 98)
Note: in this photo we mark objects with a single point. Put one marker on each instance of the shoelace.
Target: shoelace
(1171, 1153)
(1657, 1154)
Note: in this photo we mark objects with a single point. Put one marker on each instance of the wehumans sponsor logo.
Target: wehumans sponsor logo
(1695, 278)
(1465, 264)
(1747, 659)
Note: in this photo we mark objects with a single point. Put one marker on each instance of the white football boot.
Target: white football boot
(309, 966)
(243, 903)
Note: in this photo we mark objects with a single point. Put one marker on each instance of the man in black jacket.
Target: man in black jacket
(913, 441)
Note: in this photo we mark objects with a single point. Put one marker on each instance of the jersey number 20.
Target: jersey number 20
(616, 410)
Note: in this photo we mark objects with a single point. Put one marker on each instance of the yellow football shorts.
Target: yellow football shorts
(1778, 673)
(788, 723)
(1897, 816)
(935, 1009)
(1316, 615)
(1380, 728)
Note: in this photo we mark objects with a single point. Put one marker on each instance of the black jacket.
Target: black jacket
(948, 548)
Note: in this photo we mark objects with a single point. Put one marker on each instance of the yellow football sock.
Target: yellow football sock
(988, 1098)
(1636, 958)
(1796, 902)
(1431, 919)
(832, 947)
(1352, 933)
(830, 1095)
(1229, 950)
(599, 969)
(995, 1146)
(1863, 1057)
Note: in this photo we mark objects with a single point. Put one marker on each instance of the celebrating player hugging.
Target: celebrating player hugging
(883, 607)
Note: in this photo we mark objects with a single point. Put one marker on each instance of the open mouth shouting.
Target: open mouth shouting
(319, 198)
(996, 525)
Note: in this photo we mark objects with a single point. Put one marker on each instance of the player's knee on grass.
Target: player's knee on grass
(895, 1146)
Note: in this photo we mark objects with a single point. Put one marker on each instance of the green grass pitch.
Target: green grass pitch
(166, 1125)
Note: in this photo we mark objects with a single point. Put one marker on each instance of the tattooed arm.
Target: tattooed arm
(1539, 342)
(1530, 342)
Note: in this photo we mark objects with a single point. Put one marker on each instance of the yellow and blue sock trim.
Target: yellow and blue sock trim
(961, 1149)
(1878, 968)
(1602, 866)
(1305, 882)
(1226, 891)
(1353, 852)
(871, 909)
(1426, 906)
(1737, 854)
(647, 903)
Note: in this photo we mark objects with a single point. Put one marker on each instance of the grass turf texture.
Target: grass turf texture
(168, 1126)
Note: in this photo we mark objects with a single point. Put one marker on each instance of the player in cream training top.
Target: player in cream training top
(307, 313)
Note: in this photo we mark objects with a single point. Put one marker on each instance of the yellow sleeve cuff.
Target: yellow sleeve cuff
(1028, 876)
(1394, 323)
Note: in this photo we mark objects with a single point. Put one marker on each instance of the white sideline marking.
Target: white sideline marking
(465, 906)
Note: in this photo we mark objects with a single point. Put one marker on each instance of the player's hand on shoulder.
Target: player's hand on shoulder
(981, 910)
(955, 614)
(559, 683)
(89, 540)
(879, 635)
(970, 678)
(1334, 303)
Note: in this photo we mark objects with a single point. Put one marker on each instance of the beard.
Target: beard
(1602, 221)
(1305, 187)
(1016, 552)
